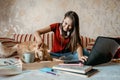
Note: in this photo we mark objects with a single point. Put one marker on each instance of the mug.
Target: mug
(28, 57)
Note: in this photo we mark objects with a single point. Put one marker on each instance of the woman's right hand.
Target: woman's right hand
(83, 58)
(38, 44)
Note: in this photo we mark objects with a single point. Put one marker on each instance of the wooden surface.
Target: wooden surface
(37, 65)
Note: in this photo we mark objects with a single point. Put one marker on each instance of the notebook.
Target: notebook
(103, 50)
(86, 75)
(73, 68)
(10, 66)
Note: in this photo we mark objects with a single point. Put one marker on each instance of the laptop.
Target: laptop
(103, 50)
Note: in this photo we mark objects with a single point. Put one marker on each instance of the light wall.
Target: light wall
(97, 17)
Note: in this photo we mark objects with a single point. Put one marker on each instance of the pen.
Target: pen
(51, 73)
(8, 63)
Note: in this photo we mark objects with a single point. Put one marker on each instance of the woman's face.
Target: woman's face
(67, 24)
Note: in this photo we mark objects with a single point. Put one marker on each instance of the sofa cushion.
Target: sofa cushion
(90, 46)
(86, 40)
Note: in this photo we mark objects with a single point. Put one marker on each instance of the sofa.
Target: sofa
(48, 39)
(86, 42)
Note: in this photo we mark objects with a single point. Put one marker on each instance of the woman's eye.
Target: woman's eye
(65, 23)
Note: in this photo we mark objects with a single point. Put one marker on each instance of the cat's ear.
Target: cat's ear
(16, 46)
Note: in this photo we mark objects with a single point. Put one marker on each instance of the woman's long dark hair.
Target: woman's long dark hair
(75, 34)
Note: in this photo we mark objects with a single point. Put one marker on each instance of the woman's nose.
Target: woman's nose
(67, 27)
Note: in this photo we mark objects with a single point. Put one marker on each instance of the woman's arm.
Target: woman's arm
(38, 33)
(80, 54)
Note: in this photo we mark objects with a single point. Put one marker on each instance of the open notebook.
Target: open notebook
(10, 66)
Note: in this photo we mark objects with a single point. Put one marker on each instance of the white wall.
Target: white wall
(97, 17)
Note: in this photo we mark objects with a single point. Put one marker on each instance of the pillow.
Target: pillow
(90, 45)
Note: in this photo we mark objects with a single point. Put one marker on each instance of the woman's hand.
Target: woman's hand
(83, 58)
(38, 44)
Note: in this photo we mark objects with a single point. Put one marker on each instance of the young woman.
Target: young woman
(67, 43)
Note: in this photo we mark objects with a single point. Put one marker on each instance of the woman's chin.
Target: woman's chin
(65, 30)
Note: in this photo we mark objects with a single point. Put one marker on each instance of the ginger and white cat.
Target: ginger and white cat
(6, 51)
(41, 52)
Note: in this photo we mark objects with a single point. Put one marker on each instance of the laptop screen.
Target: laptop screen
(103, 51)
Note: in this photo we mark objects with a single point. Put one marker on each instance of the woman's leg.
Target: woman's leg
(63, 56)
(85, 52)
(69, 55)
(55, 55)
